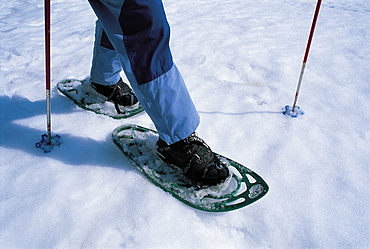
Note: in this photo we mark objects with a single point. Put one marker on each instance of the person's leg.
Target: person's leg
(105, 79)
(106, 66)
(139, 32)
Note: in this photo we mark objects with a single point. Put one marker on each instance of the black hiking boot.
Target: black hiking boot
(120, 94)
(195, 158)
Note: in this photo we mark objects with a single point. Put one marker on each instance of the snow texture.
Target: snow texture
(241, 62)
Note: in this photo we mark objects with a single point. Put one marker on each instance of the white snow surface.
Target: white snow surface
(241, 61)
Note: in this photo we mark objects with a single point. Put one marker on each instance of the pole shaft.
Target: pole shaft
(298, 85)
(314, 21)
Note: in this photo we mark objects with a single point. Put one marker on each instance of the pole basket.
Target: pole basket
(293, 112)
(47, 143)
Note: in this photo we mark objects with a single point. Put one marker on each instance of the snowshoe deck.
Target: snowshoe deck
(78, 92)
(240, 189)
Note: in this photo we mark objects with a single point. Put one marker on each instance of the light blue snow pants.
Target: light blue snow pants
(133, 35)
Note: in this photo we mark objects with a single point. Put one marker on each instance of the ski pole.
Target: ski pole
(305, 59)
(47, 68)
(48, 142)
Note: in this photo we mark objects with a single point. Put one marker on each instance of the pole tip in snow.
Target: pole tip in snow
(47, 144)
(292, 112)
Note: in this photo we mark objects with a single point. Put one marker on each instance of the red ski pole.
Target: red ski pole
(47, 67)
(48, 142)
(292, 111)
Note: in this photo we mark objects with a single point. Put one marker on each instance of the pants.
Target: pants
(133, 35)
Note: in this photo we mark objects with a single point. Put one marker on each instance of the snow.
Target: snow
(241, 61)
